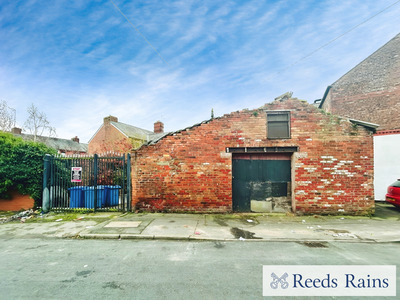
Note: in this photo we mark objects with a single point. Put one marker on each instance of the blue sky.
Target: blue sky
(80, 60)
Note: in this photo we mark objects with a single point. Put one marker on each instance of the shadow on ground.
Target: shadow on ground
(386, 211)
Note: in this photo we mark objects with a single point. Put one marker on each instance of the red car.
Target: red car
(393, 194)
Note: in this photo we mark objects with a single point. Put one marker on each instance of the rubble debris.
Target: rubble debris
(22, 216)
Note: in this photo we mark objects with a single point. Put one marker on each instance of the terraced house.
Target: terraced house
(63, 146)
(114, 136)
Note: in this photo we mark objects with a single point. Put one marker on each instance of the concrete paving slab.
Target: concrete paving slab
(172, 227)
(123, 224)
(116, 229)
(47, 229)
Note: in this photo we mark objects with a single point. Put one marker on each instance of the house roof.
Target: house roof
(132, 131)
(56, 143)
(136, 132)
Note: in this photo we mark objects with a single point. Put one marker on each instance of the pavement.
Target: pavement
(384, 226)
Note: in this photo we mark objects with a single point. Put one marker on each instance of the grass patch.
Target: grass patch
(72, 216)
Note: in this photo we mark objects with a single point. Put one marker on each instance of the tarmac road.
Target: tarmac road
(37, 268)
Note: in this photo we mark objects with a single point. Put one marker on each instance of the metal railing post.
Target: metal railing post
(128, 181)
(46, 192)
(95, 170)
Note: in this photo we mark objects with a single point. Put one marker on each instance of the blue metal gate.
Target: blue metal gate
(98, 183)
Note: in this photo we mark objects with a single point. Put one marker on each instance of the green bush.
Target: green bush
(21, 166)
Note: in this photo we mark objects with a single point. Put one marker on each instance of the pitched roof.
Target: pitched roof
(56, 143)
(138, 133)
(132, 131)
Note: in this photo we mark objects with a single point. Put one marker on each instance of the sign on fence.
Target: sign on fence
(76, 174)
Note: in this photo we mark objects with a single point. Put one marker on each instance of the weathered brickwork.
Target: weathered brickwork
(190, 170)
(371, 90)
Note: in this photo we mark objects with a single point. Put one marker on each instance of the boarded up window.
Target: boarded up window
(278, 124)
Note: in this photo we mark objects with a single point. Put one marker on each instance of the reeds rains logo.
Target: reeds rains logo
(312, 280)
(279, 281)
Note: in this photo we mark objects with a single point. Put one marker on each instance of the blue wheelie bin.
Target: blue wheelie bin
(89, 196)
(112, 195)
(76, 197)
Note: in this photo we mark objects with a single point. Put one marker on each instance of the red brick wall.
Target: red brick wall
(72, 152)
(17, 202)
(109, 138)
(371, 90)
(382, 108)
(191, 171)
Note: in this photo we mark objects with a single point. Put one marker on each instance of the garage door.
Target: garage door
(261, 182)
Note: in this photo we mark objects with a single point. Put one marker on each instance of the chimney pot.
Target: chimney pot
(16, 130)
(158, 127)
(75, 139)
(109, 119)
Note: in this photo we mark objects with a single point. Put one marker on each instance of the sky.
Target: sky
(79, 61)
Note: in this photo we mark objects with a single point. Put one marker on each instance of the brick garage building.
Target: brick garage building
(285, 156)
(114, 136)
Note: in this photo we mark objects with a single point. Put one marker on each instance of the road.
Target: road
(140, 269)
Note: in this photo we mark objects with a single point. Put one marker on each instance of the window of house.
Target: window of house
(278, 125)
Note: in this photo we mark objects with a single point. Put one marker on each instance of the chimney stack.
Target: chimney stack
(16, 130)
(75, 139)
(158, 127)
(109, 119)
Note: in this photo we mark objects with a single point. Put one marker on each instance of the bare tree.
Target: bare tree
(37, 123)
(7, 116)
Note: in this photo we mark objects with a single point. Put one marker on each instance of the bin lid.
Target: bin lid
(113, 187)
(99, 187)
(75, 188)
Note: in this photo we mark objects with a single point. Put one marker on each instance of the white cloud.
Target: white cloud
(84, 61)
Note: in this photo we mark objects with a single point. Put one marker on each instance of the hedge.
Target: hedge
(21, 166)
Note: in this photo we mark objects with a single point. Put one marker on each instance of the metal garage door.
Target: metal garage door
(261, 182)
